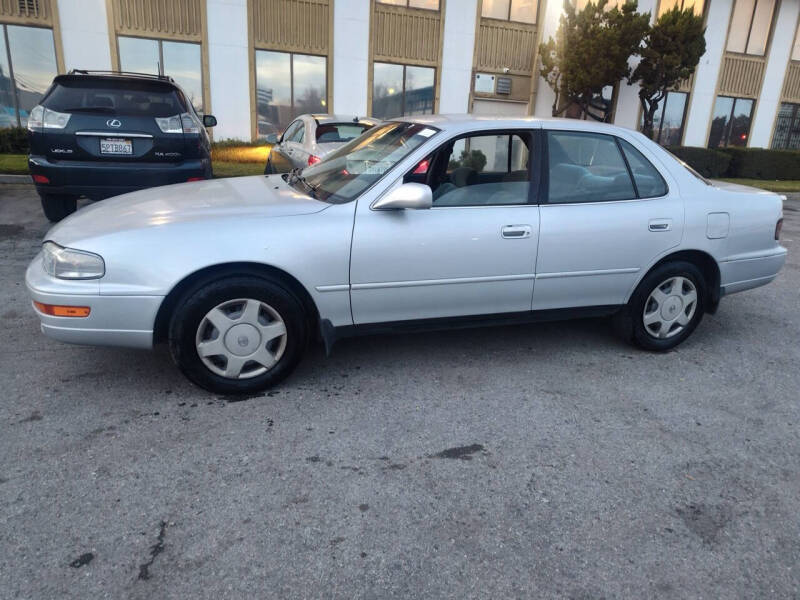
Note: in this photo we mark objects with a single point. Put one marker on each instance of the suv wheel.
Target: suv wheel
(58, 206)
(238, 335)
(666, 307)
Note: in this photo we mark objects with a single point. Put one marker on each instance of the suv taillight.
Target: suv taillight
(778, 227)
(41, 117)
(182, 123)
(312, 160)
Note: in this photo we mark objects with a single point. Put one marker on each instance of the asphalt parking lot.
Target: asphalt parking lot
(541, 461)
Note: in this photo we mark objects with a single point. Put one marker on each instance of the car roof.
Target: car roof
(82, 75)
(340, 118)
(465, 122)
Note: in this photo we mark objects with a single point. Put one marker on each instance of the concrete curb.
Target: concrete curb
(15, 179)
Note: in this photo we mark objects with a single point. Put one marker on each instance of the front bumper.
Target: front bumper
(126, 321)
(103, 179)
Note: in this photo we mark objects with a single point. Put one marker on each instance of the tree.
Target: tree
(591, 51)
(672, 49)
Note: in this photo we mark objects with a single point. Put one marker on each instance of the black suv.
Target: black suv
(99, 134)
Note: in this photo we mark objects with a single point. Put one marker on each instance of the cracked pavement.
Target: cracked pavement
(546, 460)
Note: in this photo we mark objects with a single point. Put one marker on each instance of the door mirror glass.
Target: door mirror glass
(408, 195)
(209, 120)
(272, 138)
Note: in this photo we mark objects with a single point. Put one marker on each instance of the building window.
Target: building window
(27, 67)
(427, 4)
(796, 47)
(750, 26)
(399, 90)
(730, 125)
(523, 11)
(180, 60)
(668, 120)
(787, 127)
(288, 85)
(695, 5)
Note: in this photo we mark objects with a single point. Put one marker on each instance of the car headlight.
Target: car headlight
(66, 263)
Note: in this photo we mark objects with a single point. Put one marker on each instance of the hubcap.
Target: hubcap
(241, 338)
(670, 307)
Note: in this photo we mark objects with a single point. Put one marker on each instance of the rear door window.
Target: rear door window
(129, 98)
(339, 132)
(586, 167)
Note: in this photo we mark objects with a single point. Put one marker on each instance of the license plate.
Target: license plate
(115, 146)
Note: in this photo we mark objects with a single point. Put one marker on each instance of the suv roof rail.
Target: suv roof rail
(121, 74)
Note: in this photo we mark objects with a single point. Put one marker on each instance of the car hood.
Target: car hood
(211, 200)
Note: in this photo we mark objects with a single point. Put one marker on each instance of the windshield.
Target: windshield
(348, 171)
(340, 132)
(125, 97)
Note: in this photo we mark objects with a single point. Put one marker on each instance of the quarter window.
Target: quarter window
(586, 167)
(480, 170)
(288, 85)
(750, 26)
(649, 183)
(179, 60)
(730, 125)
(27, 66)
(399, 90)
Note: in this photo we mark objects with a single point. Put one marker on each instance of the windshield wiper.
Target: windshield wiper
(295, 176)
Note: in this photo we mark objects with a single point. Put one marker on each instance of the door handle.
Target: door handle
(516, 231)
(660, 225)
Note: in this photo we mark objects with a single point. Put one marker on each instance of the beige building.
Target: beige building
(257, 63)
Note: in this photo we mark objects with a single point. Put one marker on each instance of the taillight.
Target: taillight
(422, 167)
(41, 117)
(312, 160)
(40, 179)
(195, 179)
(183, 123)
(778, 227)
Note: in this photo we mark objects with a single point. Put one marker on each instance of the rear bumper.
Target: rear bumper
(103, 179)
(113, 321)
(750, 272)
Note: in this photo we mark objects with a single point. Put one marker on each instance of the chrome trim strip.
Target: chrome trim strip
(587, 273)
(451, 281)
(115, 134)
(341, 287)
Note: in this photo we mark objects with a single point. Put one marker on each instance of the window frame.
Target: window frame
(291, 54)
(534, 138)
(160, 44)
(508, 17)
(660, 112)
(11, 76)
(545, 175)
(407, 5)
(794, 118)
(403, 96)
(770, 31)
(726, 132)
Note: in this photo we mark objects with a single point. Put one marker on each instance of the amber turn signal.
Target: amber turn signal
(62, 311)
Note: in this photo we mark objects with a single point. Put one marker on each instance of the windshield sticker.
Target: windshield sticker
(427, 132)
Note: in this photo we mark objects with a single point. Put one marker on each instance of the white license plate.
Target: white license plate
(115, 146)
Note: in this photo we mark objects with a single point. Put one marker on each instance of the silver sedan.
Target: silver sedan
(423, 222)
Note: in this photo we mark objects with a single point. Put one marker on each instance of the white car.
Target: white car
(421, 222)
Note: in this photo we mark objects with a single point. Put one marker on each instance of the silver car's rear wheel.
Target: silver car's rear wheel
(241, 338)
(670, 307)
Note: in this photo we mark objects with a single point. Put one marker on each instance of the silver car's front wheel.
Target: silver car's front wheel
(241, 338)
(238, 334)
(670, 307)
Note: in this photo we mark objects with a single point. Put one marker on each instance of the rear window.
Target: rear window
(129, 98)
(339, 132)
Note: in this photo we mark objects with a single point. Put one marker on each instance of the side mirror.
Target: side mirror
(272, 138)
(209, 120)
(409, 195)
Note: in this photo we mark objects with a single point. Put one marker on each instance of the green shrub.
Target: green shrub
(707, 162)
(14, 140)
(759, 163)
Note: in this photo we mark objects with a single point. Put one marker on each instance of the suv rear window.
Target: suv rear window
(128, 97)
(339, 132)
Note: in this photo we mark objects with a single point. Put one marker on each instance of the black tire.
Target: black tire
(197, 303)
(57, 206)
(629, 322)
